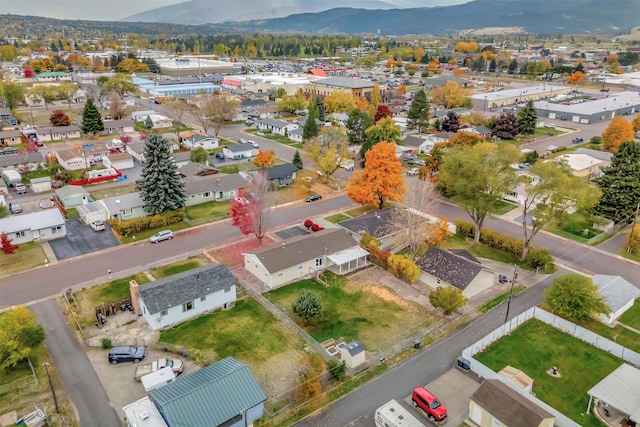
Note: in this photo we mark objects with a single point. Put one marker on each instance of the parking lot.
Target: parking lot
(81, 239)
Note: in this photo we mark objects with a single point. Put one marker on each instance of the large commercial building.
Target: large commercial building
(263, 82)
(354, 86)
(501, 98)
(194, 65)
(178, 90)
(617, 104)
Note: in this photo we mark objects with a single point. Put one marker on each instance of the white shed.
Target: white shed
(40, 185)
(618, 294)
(353, 354)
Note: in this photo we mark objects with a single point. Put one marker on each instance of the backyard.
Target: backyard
(577, 226)
(535, 348)
(249, 333)
(371, 314)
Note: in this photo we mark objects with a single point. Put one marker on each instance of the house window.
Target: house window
(300, 266)
(280, 274)
(204, 298)
(206, 194)
(187, 306)
(164, 313)
(227, 289)
(20, 234)
(126, 212)
(193, 196)
(55, 230)
(318, 262)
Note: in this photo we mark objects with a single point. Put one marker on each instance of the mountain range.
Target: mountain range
(532, 16)
(195, 12)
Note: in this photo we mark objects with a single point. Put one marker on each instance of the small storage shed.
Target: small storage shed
(40, 185)
(353, 354)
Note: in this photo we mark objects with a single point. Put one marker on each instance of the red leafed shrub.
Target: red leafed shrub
(308, 223)
(316, 227)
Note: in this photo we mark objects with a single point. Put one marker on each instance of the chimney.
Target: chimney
(135, 296)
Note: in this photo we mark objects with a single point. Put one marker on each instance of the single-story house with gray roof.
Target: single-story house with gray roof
(10, 137)
(279, 127)
(224, 393)
(419, 144)
(302, 256)
(456, 268)
(281, 175)
(56, 133)
(604, 156)
(39, 225)
(124, 207)
(495, 403)
(618, 294)
(5, 114)
(30, 161)
(379, 224)
(118, 126)
(218, 188)
(136, 149)
(205, 141)
(196, 169)
(295, 135)
(174, 299)
(239, 151)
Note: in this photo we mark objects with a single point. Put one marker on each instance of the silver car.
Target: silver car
(161, 235)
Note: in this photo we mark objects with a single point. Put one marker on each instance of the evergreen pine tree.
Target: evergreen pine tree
(161, 187)
(620, 184)
(148, 122)
(418, 113)
(528, 119)
(451, 122)
(297, 160)
(310, 128)
(91, 119)
(321, 110)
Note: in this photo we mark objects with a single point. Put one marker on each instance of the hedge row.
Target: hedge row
(133, 226)
(505, 243)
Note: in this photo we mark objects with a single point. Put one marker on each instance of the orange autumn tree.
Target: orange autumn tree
(618, 131)
(265, 159)
(576, 78)
(381, 180)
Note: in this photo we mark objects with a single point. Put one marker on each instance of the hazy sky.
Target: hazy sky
(99, 10)
(113, 10)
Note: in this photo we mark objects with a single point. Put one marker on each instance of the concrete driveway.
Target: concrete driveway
(81, 239)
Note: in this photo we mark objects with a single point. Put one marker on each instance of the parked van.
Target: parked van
(392, 414)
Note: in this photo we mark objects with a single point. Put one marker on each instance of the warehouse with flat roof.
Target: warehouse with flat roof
(591, 111)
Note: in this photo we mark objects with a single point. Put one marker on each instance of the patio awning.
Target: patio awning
(347, 255)
(621, 390)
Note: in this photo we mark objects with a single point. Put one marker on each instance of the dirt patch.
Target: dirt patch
(278, 374)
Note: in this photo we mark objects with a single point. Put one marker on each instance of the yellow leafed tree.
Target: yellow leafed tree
(339, 101)
(618, 131)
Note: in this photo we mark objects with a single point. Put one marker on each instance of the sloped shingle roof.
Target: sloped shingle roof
(377, 223)
(210, 396)
(508, 406)
(452, 268)
(616, 291)
(281, 171)
(184, 287)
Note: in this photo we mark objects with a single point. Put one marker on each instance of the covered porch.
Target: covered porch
(348, 260)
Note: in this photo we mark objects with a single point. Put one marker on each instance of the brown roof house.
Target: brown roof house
(455, 267)
(301, 256)
(496, 404)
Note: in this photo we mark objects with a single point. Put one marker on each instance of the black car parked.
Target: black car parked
(126, 353)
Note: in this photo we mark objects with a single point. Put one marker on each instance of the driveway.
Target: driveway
(81, 239)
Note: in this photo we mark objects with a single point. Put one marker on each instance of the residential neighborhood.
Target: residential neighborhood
(319, 229)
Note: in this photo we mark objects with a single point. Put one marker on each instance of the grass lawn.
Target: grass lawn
(178, 266)
(247, 166)
(337, 218)
(247, 332)
(501, 207)
(535, 348)
(114, 191)
(631, 317)
(114, 290)
(148, 233)
(28, 256)
(371, 314)
(72, 213)
(500, 298)
(574, 225)
(212, 211)
(618, 334)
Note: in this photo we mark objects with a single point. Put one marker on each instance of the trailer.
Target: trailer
(392, 414)
(12, 177)
(158, 378)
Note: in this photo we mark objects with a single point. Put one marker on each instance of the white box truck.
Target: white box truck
(158, 378)
(12, 177)
(392, 414)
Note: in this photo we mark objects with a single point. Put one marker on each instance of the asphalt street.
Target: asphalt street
(357, 408)
(80, 381)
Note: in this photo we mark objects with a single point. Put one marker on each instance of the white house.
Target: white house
(136, 149)
(182, 296)
(218, 187)
(279, 127)
(57, 133)
(295, 135)
(159, 121)
(305, 255)
(239, 151)
(40, 225)
(456, 268)
(419, 144)
(618, 294)
(141, 116)
(197, 140)
(120, 161)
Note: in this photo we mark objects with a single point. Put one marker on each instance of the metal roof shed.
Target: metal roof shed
(620, 390)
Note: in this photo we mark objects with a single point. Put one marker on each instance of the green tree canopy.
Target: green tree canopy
(310, 128)
(357, 123)
(620, 184)
(307, 306)
(448, 299)
(418, 113)
(297, 160)
(575, 297)
(385, 129)
(12, 93)
(20, 335)
(199, 155)
(528, 119)
(91, 119)
(161, 187)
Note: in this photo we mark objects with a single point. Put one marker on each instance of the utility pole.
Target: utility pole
(513, 282)
(55, 399)
(633, 226)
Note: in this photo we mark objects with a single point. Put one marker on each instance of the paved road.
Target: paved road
(80, 381)
(358, 408)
